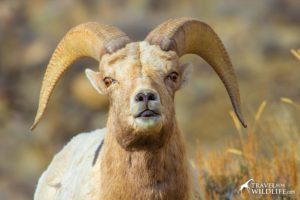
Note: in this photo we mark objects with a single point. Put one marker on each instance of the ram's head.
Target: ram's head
(140, 78)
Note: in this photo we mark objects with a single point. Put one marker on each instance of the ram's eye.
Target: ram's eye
(108, 81)
(173, 76)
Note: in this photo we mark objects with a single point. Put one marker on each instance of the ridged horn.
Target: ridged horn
(188, 35)
(85, 40)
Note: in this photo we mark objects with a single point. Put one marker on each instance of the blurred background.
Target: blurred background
(257, 34)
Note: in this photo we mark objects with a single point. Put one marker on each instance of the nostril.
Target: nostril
(140, 97)
(145, 96)
(151, 97)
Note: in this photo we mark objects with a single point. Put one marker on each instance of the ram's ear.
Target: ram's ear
(187, 71)
(95, 79)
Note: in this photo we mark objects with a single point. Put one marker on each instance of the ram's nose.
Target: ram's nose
(144, 101)
(146, 96)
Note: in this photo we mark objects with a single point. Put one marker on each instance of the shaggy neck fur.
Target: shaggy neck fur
(156, 175)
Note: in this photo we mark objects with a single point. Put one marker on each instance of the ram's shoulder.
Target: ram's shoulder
(83, 141)
(80, 145)
(82, 149)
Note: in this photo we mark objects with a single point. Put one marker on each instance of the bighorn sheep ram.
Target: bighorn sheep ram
(141, 153)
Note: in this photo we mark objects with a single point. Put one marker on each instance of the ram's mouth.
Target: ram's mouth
(148, 113)
(148, 122)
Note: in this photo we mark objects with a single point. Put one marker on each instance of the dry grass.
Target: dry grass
(296, 53)
(267, 152)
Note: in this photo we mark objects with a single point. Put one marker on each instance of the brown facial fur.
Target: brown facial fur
(136, 164)
(136, 67)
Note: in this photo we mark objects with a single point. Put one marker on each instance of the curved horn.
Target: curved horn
(187, 35)
(86, 40)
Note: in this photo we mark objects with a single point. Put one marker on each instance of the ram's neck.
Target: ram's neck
(161, 174)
